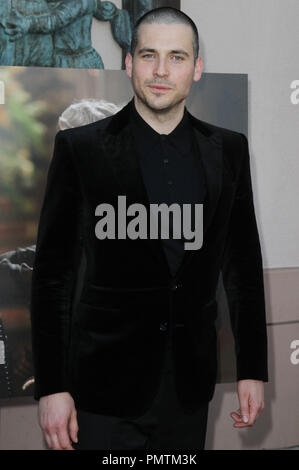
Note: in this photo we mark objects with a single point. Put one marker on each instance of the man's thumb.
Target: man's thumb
(244, 412)
(73, 426)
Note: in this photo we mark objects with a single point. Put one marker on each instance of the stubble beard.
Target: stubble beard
(170, 107)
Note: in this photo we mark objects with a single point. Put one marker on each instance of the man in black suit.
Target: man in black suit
(134, 362)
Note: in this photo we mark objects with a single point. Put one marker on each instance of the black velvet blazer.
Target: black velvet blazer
(107, 349)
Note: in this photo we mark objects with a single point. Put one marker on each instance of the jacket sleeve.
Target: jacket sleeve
(58, 251)
(242, 272)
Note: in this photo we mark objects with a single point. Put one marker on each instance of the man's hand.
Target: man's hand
(251, 399)
(58, 420)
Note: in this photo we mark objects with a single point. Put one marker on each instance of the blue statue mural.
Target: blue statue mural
(57, 33)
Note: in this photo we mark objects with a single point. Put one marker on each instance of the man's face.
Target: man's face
(163, 68)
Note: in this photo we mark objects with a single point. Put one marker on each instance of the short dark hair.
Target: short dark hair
(166, 15)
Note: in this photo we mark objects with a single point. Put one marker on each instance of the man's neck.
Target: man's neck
(163, 123)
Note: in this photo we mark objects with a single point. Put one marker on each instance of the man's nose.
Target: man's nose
(161, 68)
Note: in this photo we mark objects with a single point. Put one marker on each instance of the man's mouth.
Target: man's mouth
(159, 87)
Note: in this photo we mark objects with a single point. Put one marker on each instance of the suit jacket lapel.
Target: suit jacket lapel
(119, 149)
(210, 154)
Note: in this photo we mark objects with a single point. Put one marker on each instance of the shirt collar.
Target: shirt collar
(180, 137)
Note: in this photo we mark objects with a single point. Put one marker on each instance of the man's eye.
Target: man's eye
(177, 58)
(147, 56)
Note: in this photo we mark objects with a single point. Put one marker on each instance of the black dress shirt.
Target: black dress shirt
(171, 172)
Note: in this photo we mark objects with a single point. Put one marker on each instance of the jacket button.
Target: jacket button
(163, 326)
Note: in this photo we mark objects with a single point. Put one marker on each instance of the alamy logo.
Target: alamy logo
(295, 93)
(294, 358)
(138, 226)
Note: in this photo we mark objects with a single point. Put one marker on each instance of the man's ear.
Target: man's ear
(198, 69)
(129, 64)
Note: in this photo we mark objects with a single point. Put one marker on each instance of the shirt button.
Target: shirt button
(176, 286)
(169, 182)
(163, 326)
(165, 160)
